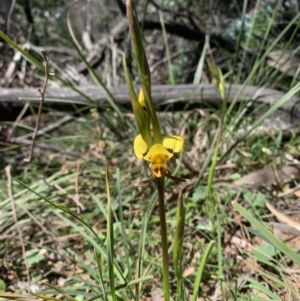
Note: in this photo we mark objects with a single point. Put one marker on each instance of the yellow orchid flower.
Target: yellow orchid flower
(158, 154)
(142, 99)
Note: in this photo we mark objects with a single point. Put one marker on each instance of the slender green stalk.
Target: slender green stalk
(214, 161)
(110, 240)
(210, 203)
(164, 241)
(143, 67)
(177, 247)
(200, 271)
(220, 272)
(170, 67)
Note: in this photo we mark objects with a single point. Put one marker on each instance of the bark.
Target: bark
(205, 94)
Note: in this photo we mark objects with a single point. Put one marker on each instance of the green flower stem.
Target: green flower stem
(164, 241)
(155, 123)
(143, 67)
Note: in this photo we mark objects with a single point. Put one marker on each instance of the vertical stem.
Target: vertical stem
(164, 241)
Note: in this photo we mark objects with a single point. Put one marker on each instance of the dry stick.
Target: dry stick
(80, 206)
(288, 192)
(42, 99)
(42, 227)
(54, 148)
(13, 205)
(55, 49)
(20, 116)
(50, 127)
(8, 76)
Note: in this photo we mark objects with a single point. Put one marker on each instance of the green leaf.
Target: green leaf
(261, 287)
(2, 286)
(199, 194)
(269, 250)
(235, 176)
(200, 270)
(110, 239)
(142, 117)
(267, 235)
(34, 256)
(178, 242)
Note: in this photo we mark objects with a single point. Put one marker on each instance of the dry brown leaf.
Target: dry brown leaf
(241, 243)
(267, 176)
(188, 271)
(157, 294)
(297, 193)
(259, 294)
(285, 62)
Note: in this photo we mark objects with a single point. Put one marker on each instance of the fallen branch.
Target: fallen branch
(161, 94)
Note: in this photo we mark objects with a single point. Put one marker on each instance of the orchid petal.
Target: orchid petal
(142, 99)
(158, 154)
(139, 146)
(159, 169)
(173, 143)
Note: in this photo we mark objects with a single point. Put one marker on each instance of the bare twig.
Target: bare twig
(46, 129)
(39, 224)
(288, 192)
(42, 99)
(13, 205)
(80, 206)
(11, 68)
(50, 147)
(54, 49)
(20, 116)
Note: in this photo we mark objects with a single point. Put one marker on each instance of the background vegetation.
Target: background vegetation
(53, 216)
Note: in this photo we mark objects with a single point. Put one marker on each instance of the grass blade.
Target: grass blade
(178, 242)
(262, 288)
(198, 73)
(110, 239)
(170, 67)
(200, 270)
(270, 238)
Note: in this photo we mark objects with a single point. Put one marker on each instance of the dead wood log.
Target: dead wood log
(205, 94)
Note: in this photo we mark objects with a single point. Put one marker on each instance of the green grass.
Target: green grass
(111, 250)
